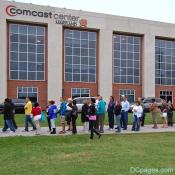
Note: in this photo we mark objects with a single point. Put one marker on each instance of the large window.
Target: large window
(129, 93)
(164, 62)
(31, 92)
(80, 92)
(126, 59)
(80, 56)
(26, 52)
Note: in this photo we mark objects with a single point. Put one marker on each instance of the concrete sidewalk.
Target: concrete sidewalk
(44, 131)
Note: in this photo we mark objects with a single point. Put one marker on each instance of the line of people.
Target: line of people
(92, 115)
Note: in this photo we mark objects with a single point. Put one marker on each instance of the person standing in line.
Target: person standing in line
(84, 116)
(97, 116)
(110, 111)
(28, 112)
(74, 115)
(52, 112)
(170, 113)
(62, 114)
(137, 114)
(48, 119)
(117, 111)
(92, 119)
(13, 119)
(154, 111)
(124, 113)
(68, 114)
(101, 108)
(142, 119)
(164, 110)
(36, 111)
(8, 116)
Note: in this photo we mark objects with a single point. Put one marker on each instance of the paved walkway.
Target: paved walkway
(44, 131)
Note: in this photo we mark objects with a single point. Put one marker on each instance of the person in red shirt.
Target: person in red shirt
(36, 111)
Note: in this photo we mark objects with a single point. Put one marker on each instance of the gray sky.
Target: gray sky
(159, 10)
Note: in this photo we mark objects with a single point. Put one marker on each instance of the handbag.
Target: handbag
(43, 118)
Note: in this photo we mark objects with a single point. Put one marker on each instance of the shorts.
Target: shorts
(62, 119)
(164, 114)
(37, 117)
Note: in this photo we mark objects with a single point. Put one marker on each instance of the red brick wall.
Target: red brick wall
(116, 90)
(68, 85)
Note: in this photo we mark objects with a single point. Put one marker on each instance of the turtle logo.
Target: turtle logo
(83, 22)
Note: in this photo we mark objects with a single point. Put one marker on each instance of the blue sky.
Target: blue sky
(159, 10)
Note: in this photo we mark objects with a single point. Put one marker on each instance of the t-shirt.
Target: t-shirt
(28, 108)
(36, 111)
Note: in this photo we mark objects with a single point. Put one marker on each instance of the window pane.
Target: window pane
(165, 64)
(80, 54)
(22, 75)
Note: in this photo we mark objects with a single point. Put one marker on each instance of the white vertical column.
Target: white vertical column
(105, 63)
(3, 60)
(54, 62)
(148, 66)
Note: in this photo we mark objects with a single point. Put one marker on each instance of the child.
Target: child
(36, 111)
(52, 112)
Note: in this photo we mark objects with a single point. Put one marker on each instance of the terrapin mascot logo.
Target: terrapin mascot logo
(83, 22)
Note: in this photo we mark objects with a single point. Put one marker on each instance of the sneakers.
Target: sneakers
(25, 130)
(11, 132)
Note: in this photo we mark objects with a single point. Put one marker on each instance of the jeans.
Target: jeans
(118, 119)
(170, 118)
(74, 127)
(101, 122)
(92, 124)
(136, 124)
(111, 119)
(29, 120)
(53, 120)
(8, 124)
(49, 123)
(143, 119)
(125, 119)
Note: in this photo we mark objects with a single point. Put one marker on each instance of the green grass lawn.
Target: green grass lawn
(20, 118)
(78, 155)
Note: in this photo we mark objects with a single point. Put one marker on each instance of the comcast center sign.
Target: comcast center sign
(71, 20)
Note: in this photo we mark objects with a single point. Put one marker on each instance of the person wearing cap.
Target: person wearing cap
(124, 112)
